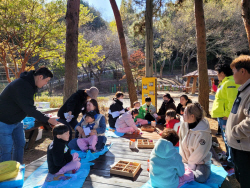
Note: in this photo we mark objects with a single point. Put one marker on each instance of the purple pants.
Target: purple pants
(73, 165)
(187, 177)
(87, 143)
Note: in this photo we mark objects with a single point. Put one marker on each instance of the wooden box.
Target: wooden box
(145, 143)
(148, 128)
(125, 168)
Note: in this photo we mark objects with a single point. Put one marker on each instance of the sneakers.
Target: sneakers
(215, 144)
(222, 156)
(230, 172)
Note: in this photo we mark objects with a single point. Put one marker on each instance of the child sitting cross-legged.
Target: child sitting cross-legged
(166, 166)
(59, 158)
(125, 123)
(147, 112)
(138, 120)
(88, 141)
(171, 119)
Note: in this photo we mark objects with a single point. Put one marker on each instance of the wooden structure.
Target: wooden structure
(32, 133)
(211, 74)
(125, 168)
(100, 175)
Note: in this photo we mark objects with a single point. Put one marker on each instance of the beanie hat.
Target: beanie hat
(92, 92)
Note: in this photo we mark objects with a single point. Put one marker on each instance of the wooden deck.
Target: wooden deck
(100, 176)
(100, 173)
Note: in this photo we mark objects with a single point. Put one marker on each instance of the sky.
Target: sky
(104, 7)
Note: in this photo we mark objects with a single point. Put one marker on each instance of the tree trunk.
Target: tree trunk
(124, 53)
(203, 96)
(182, 64)
(71, 55)
(172, 69)
(86, 73)
(162, 66)
(149, 38)
(155, 69)
(246, 17)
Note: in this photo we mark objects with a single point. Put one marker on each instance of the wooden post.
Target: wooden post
(194, 84)
(187, 84)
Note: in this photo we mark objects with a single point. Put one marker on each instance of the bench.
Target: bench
(31, 134)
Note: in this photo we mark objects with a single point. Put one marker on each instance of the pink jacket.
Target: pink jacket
(125, 120)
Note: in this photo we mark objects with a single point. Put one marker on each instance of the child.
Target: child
(137, 105)
(196, 142)
(59, 158)
(125, 123)
(182, 110)
(171, 119)
(147, 111)
(88, 141)
(166, 166)
(139, 121)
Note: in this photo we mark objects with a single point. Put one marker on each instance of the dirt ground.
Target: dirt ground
(40, 148)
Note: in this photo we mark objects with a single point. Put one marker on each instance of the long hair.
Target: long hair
(169, 96)
(195, 109)
(95, 104)
(187, 99)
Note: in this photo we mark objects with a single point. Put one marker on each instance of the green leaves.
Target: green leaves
(35, 28)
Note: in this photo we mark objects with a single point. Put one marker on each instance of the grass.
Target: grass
(57, 102)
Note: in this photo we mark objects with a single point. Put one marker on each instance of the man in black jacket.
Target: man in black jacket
(16, 102)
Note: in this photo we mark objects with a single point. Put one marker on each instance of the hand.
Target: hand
(93, 132)
(70, 113)
(128, 108)
(53, 121)
(75, 157)
(224, 118)
(82, 135)
(81, 132)
(158, 118)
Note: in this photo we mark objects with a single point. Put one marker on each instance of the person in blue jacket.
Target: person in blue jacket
(166, 164)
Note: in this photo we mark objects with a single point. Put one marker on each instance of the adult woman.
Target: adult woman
(184, 101)
(116, 109)
(100, 127)
(195, 142)
(75, 105)
(168, 103)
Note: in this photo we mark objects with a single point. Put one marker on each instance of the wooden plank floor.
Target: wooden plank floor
(100, 176)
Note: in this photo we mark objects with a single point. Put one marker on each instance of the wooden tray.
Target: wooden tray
(145, 143)
(125, 168)
(148, 128)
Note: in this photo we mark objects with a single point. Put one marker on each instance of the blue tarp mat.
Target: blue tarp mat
(37, 178)
(113, 134)
(218, 175)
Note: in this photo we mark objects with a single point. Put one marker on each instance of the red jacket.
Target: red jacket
(171, 124)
